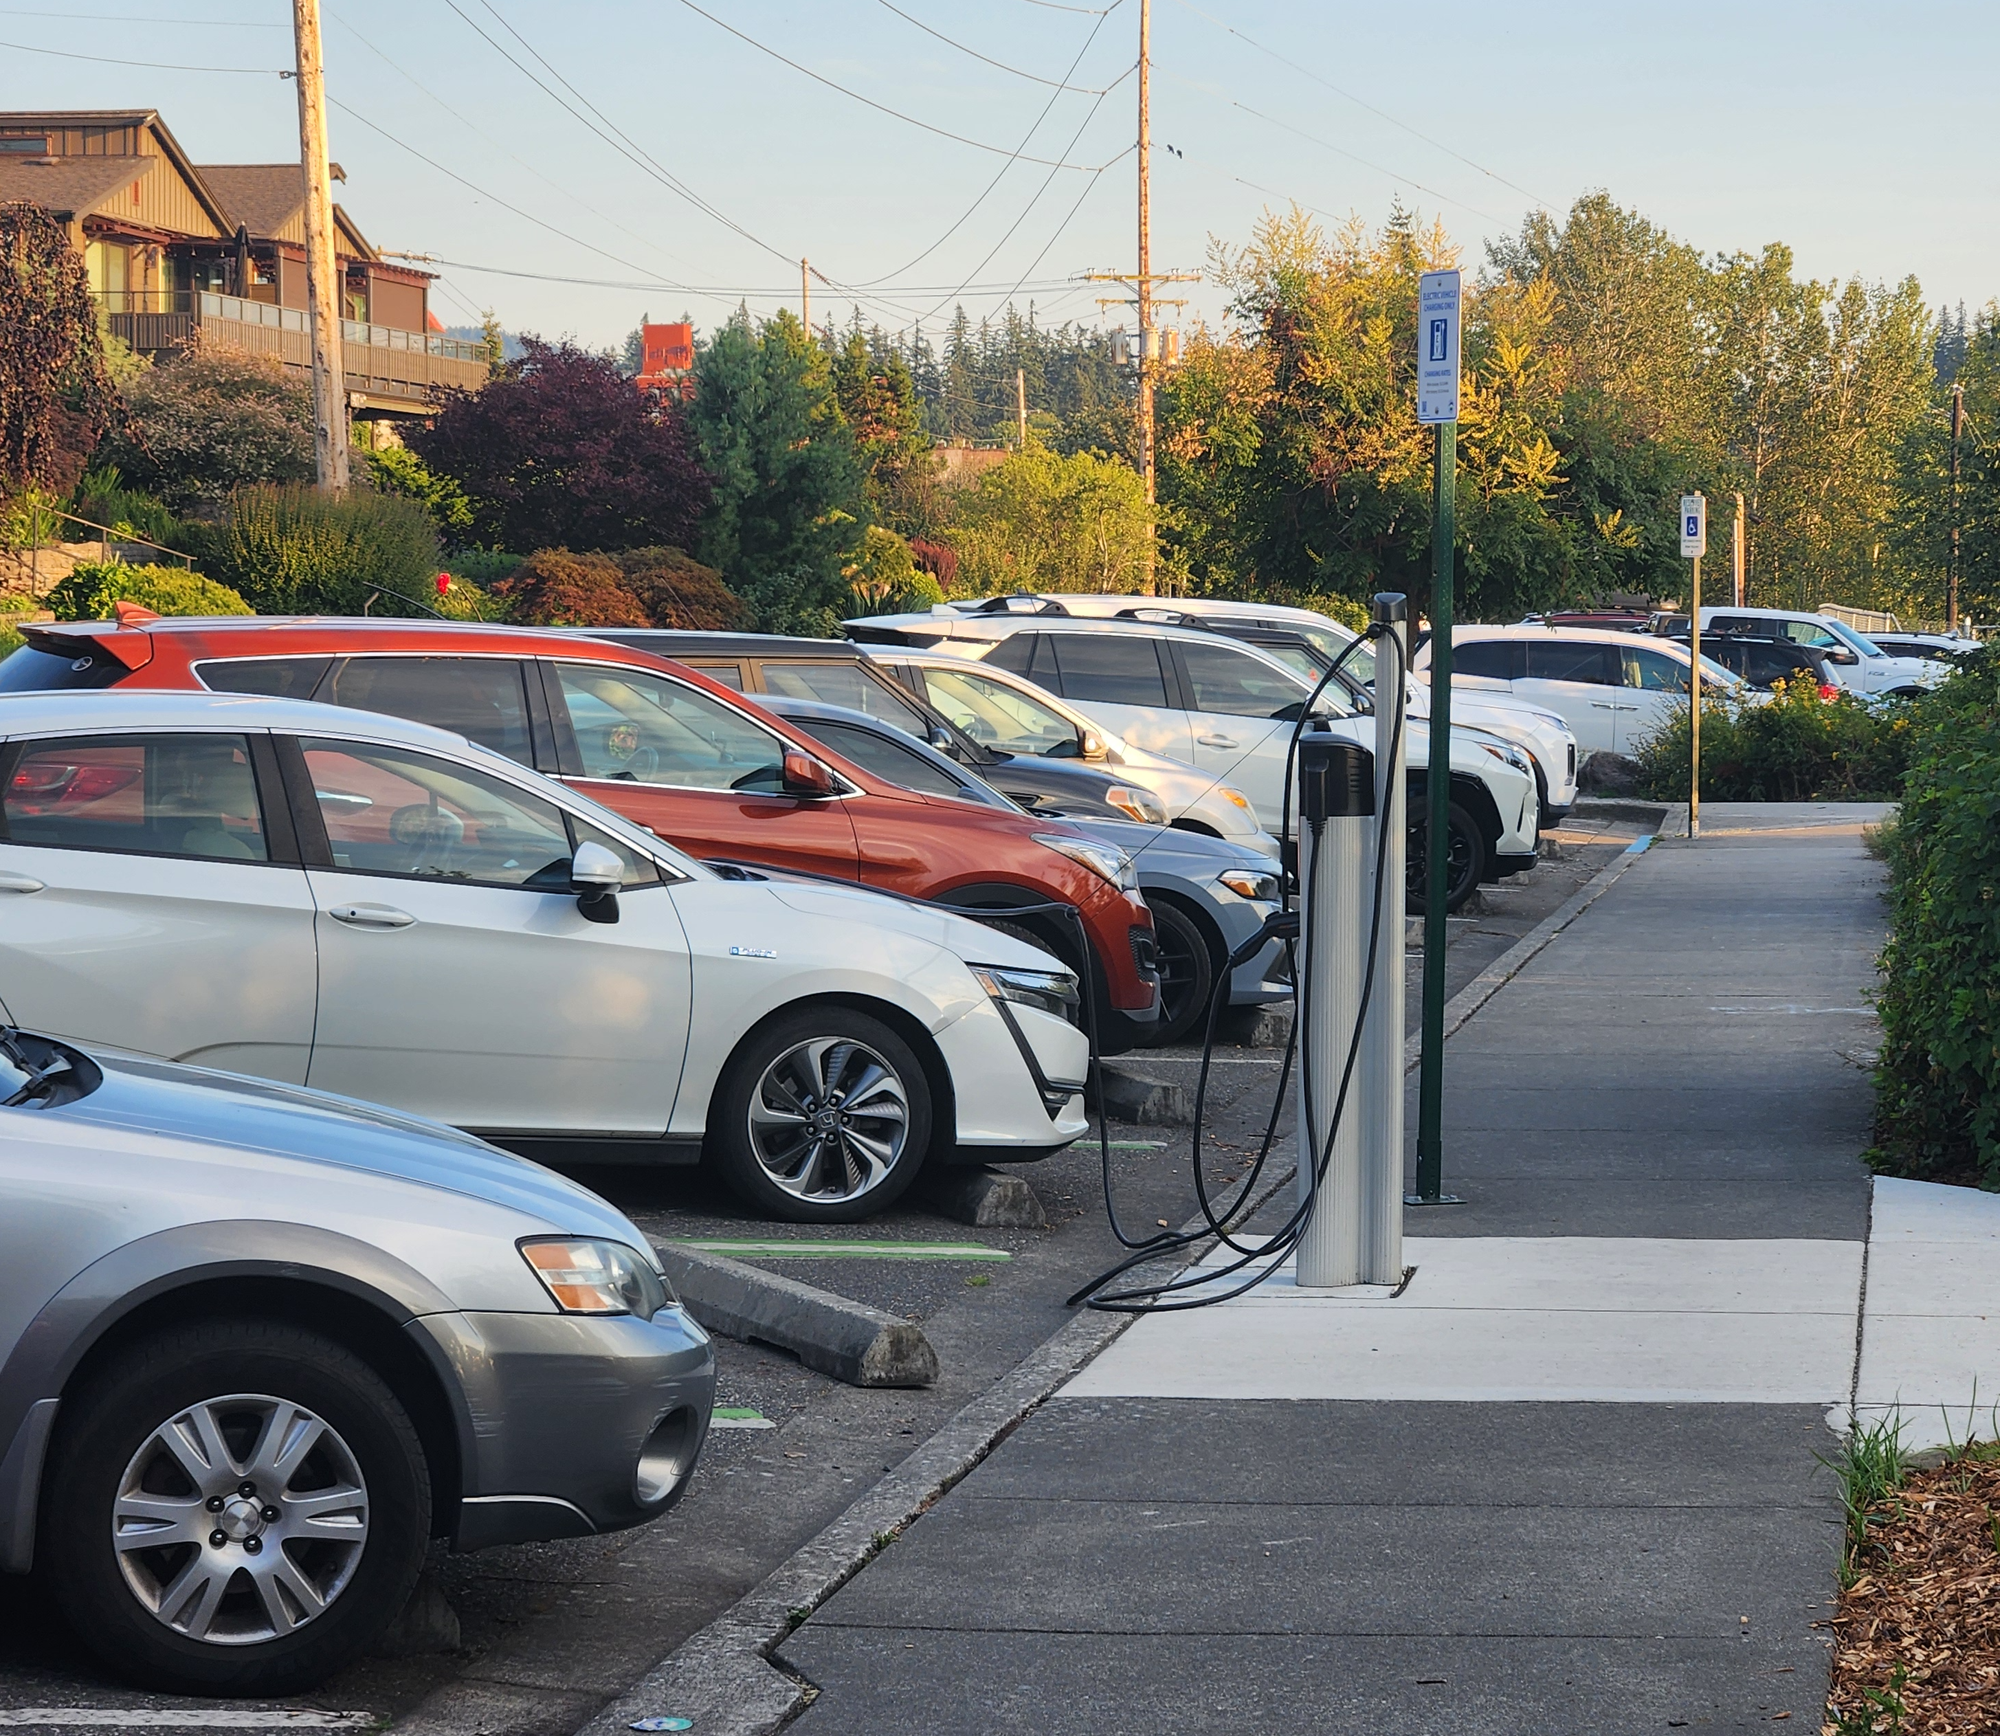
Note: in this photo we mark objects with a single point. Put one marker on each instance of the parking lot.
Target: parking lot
(545, 1633)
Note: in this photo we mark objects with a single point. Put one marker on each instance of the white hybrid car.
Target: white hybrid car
(1855, 660)
(380, 909)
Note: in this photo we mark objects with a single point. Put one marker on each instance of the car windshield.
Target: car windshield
(1000, 716)
(1855, 641)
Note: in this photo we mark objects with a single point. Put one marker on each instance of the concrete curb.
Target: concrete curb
(1141, 1099)
(1510, 963)
(987, 1199)
(723, 1678)
(848, 1340)
(1622, 808)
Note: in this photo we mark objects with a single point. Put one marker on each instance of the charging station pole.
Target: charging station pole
(1438, 307)
(1379, 1076)
(1336, 804)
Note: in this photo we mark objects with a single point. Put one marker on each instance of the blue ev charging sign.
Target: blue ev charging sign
(1694, 526)
(1438, 300)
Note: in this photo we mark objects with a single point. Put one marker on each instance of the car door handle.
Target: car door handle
(10, 882)
(1215, 741)
(371, 916)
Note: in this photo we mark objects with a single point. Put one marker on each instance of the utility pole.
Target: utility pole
(1736, 558)
(1957, 429)
(323, 274)
(1142, 284)
(1021, 409)
(806, 296)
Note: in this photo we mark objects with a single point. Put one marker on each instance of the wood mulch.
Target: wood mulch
(1927, 1606)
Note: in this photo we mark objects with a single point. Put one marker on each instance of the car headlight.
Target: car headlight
(1101, 859)
(1142, 805)
(1509, 756)
(1047, 991)
(591, 1277)
(1248, 883)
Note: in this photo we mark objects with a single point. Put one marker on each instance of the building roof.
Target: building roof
(266, 198)
(68, 186)
(29, 120)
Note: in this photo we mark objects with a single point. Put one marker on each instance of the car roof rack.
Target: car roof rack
(1011, 604)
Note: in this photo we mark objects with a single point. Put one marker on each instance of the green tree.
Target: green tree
(788, 509)
(878, 401)
(55, 397)
(1040, 521)
(212, 420)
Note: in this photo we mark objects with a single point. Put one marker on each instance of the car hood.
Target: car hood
(164, 1099)
(1171, 850)
(956, 934)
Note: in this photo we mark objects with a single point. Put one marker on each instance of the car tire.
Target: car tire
(183, 1420)
(768, 1140)
(1468, 859)
(1187, 974)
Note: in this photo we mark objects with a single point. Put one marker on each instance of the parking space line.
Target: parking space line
(733, 1417)
(187, 1718)
(804, 1248)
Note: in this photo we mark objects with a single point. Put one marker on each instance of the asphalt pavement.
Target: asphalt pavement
(1569, 1479)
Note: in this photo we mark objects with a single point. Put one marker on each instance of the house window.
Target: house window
(29, 145)
(107, 266)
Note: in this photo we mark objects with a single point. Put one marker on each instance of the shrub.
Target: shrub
(1797, 747)
(212, 420)
(1937, 1082)
(293, 551)
(1038, 521)
(102, 498)
(676, 590)
(887, 580)
(483, 567)
(92, 587)
(398, 470)
(554, 588)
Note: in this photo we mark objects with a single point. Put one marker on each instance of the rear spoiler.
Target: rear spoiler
(123, 640)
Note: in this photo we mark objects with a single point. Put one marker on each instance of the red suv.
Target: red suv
(663, 745)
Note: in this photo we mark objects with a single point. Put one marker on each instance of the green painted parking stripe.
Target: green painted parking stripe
(803, 1249)
(1136, 1144)
(734, 1417)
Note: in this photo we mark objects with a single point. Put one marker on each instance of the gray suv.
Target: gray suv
(259, 1345)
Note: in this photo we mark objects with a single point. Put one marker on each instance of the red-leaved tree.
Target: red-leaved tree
(561, 452)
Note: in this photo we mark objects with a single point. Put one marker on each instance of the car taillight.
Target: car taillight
(1828, 691)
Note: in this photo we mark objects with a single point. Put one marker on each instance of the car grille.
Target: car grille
(1145, 952)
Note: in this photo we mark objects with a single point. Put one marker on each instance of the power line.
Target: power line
(1018, 149)
(1087, 11)
(142, 18)
(952, 42)
(782, 292)
(870, 102)
(1435, 144)
(151, 65)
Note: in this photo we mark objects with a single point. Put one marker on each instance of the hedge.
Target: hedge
(1793, 747)
(90, 588)
(1937, 1081)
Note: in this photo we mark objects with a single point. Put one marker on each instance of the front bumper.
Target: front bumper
(570, 1423)
(1017, 1078)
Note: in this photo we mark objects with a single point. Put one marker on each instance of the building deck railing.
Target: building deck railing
(203, 304)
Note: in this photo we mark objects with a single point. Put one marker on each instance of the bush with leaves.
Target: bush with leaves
(1795, 747)
(554, 588)
(212, 420)
(1038, 521)
(295, 551)
(91, 588)
(558, 450)
(102, 498)
(887, 580)
(55, 397)
(1937, 1082)
(398, 470)
(676, 590)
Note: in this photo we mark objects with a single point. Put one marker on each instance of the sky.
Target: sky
(578, 164)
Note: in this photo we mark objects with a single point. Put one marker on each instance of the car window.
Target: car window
(1859, 643)
(1490, 659)
(1571, 660)
(1001, 716)
(724, 674)
(1032, 655)
(1298, 660)
(154, 795)
(885, 758)
(480, 698)
(1809, 633)
(1112, 668)
(845, 684)
(1653, 671)
(30, 669)
(273, 677)
(638, 870)
(393, 811)
(1223, 679)
(638, 727)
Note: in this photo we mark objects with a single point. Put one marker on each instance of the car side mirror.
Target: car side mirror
(1847, 659)
(805, 776)
(596, 874)
(940, 738)
(1092, 745)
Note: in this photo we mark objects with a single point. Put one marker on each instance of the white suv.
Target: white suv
(1612, 689)
(1226, 708)
(1856, 661)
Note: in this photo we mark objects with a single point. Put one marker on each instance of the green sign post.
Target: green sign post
(1438, 305)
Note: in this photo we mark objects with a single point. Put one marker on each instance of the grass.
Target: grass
(1871, 1466)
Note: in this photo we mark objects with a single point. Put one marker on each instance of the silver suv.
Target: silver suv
(259, 1345)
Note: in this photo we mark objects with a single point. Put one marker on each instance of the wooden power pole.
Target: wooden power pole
(1021, 409)
(323, 274)
(806, 296)
(1957, 513)
(1142, 284)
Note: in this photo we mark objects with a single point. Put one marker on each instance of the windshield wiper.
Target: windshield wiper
(41, 1081)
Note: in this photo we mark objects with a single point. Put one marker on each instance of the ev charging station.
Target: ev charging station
(1352, 848)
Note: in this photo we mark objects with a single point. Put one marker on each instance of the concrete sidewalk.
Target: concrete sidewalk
(1569, 1480)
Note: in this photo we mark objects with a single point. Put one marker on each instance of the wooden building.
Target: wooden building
(175, 249)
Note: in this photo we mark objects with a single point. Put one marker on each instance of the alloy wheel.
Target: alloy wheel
(829, 1120)
(240, 1519)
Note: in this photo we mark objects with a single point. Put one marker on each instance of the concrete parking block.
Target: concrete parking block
(1126, 1094)
(848, 1340)
(988, 1199)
